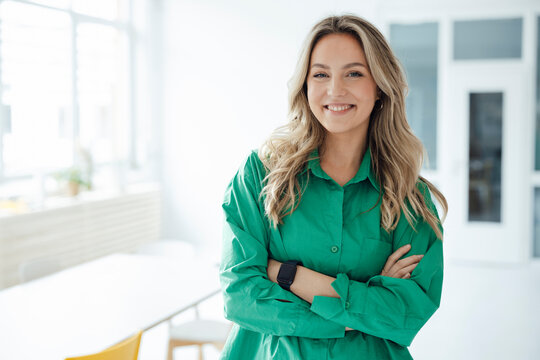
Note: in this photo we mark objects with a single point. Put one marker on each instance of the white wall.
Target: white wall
(226, 67)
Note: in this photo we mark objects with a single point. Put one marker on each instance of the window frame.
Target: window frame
(76, 19)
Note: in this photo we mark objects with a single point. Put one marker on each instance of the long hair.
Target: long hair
(396, 153)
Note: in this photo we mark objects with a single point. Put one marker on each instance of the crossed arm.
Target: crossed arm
(308, 283)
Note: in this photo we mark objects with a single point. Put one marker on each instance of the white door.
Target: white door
(483, 141)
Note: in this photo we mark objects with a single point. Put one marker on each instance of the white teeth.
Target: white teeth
(338, 108)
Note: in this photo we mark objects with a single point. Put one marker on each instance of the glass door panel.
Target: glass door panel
(485, 156)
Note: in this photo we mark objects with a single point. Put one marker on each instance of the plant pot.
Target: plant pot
(73, 188)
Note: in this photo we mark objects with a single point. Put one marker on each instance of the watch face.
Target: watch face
(286, 273)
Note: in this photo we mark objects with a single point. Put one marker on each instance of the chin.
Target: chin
(337, 129)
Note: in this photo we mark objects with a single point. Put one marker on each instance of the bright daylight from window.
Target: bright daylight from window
(66, 79)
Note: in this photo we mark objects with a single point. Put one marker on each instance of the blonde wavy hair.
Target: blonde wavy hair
(396, 153)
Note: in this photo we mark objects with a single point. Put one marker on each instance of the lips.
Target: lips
(338, 107)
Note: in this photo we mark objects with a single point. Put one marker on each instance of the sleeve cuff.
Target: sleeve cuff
(302, 322)
(352, 297)
(317, 327)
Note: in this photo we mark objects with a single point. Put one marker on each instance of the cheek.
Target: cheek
(309, 93)
(313, 96)
(366, 95)
(374, 91)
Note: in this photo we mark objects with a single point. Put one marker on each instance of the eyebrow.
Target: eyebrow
(344, 67)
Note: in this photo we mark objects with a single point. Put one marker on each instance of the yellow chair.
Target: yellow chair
(125, 350)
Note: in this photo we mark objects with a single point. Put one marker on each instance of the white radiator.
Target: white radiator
(79, 232)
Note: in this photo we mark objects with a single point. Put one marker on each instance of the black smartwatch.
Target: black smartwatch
(286, 273)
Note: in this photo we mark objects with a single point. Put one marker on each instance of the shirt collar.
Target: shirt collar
(365, 170)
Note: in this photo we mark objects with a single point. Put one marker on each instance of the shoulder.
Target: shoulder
(423, 195)
(252, 167)
(242, 202)
(424, 190)
(249, 175)
(419, 229)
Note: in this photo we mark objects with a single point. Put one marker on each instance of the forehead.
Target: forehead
(337, 49)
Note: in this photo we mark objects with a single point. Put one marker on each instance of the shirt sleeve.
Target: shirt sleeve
(386, 307)
(251, 300)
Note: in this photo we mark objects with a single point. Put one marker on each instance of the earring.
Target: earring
(381, 106)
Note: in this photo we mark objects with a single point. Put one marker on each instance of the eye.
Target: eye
(320, 75)
(355, 74)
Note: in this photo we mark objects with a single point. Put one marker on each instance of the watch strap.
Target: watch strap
(286, 274)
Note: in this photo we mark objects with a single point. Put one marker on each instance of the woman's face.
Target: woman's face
(340, 90)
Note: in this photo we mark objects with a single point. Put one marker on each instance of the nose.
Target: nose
(336, 87)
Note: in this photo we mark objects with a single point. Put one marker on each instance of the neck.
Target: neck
(342, 152)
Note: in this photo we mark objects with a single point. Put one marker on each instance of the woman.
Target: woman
(326, 226)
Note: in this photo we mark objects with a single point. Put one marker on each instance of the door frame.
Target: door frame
(507, 241)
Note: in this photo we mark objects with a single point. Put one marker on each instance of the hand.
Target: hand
(401, 269)
(273, 269)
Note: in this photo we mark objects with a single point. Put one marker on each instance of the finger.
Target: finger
(398, 271)
(407, 275)
(400, 252)
(396, 255)
(405, 270)
(410, 260)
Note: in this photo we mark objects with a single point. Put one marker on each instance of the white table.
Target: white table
(90, 307)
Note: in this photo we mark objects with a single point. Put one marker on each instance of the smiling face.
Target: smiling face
(340, 89)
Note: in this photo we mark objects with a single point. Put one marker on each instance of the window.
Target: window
(536, 224)
(67, 73)
(416, 46)
(485, 156)
(35, 88)
(488, 39)
(537, 144)
(536, 235)
(102, 88)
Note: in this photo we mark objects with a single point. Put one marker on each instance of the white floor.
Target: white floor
(486, 313)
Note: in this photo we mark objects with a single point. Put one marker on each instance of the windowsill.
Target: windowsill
(85, 197)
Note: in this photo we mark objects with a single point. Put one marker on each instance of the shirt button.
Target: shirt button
(334, 249)
(347, 304)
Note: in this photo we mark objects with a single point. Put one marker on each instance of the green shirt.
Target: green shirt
(333, 231)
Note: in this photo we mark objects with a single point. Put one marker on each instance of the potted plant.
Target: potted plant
(74, 179)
